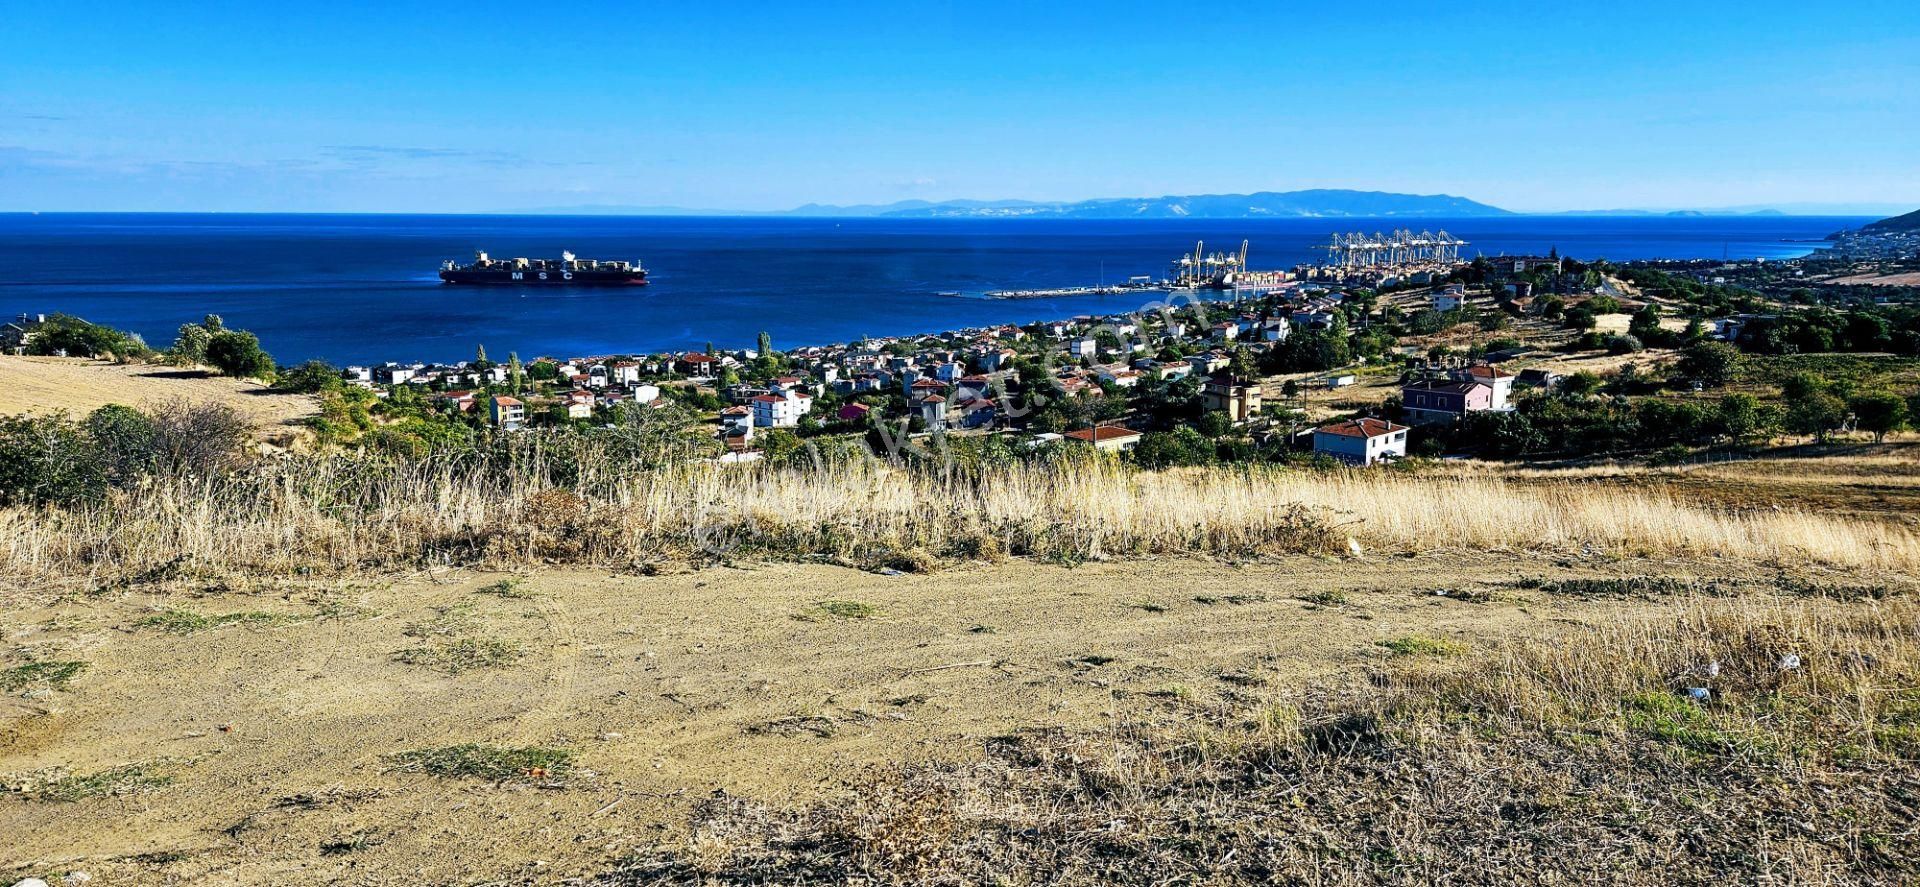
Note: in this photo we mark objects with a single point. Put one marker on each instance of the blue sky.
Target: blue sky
(475, 106)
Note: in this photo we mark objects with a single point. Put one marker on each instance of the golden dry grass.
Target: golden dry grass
(1458, 769)
(79, 386)
(303, 514)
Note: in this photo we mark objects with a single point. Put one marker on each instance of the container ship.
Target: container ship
(568, 270)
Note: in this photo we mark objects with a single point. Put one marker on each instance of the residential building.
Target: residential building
(1238, 398)
(775, 411)
(507, 412)
(978, 412)
(19, 332)
(1106, 438)
(1362, 441)
(1498, 380)
(737, 422)
(933, 411)
(1434, 400)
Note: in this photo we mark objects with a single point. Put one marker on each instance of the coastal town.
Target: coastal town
(1395, 347)
(959, 445)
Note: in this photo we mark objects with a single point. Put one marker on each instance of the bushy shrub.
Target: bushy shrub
(55, 460)
(65, 334)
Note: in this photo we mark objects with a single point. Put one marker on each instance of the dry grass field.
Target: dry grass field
(465, 728)
(325, 669)
(46, 384)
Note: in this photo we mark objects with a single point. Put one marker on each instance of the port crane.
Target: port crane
(1401, 249)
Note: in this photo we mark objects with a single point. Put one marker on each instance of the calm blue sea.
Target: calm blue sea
(356, 289)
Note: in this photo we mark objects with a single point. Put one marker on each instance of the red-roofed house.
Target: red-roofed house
(694, 363)
(506, 412)
(1110, 438)
(1362, 441)
(933, 411)
(1499, 380)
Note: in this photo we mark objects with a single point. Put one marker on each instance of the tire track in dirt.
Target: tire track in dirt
(534, 725)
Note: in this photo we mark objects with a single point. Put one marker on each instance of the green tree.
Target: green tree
(1181, 446)
(1739, 417)
(237, 353)
(190, 344)
(65, 334)
(311, 377)
(1580, 384)
(516, 374)
(1817, 414)
(1710, 363)
(1879, 413)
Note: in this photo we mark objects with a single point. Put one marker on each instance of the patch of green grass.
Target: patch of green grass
(463, 654)
(188, 622)
(452, 619)
(847, 609)
(1418, 645)
(1148, 606)
(1326, 598)
(511, 588)
(983, 629)
(1897, 726)
(1669, 718)
(493, 762)
(1641, 587)
(122, 780)
(55, 675)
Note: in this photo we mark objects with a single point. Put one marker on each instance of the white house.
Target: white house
(775, 411)
(1497, 379)
(1362, 441)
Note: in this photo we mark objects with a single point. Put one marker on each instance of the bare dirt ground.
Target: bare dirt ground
(258, 749)
(1910, 278)
(45, 384)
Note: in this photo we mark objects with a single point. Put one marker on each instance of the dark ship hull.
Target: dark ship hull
(536, 277)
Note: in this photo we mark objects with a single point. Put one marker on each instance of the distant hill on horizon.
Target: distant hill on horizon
(1319, 203)
(1908, 222)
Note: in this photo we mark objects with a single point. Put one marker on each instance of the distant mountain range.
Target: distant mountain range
(1264, 204)
(1321, 203)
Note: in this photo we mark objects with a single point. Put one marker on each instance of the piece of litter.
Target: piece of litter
(1789, 661)
(1699, 694)
(889, 571)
